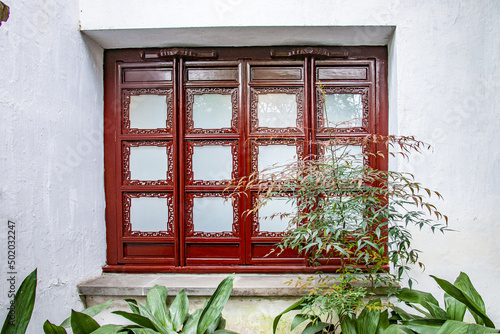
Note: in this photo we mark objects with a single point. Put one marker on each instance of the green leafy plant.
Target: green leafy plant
(460, 297)
(21, 308)
(349, 216)
(155, 316)
(352, 216)
(158, 318)
(80, 322)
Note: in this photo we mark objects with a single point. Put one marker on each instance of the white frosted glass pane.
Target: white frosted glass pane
(149, 214)
(343, 110)
(212, 214)
(212, 111)
(275, 156)
(269, 214)
(148, 111)
(148, 163)
(212, 162)
(277, 110)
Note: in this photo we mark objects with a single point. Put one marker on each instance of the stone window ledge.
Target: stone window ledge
(254, 285)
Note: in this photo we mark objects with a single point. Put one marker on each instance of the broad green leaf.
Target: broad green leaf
(157, 324)
(383, 323)
(191, 324)
(224, 331)
(454, 308)
(436, 311)
(416, 296)
(24, 301)
(425, 299)
(143, 331)
(222, 323)
(460, 296)
(464, 284)
(91, 311)
(403, 314)
(136, 318)
(458, 327)
(424, 326)
(179, 310)
(348, 326)
(156, 303)
(82, 323)
(132, 303)
(298, 319)
(215, 304)
(294, 307)
(50, 328)
(397, 329)
(109, 329)
(214, 325)
(367, 322)
(314, 327)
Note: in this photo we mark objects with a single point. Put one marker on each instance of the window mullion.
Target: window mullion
(180, 163)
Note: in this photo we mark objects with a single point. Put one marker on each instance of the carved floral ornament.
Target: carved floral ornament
(128, 93)
(126, 163)
(299, 52)
(299, 95)
(190, 232)
(289, 142)
(309, 51)
(363, 91)
(189, 161)
(127, 225)
(190, 94)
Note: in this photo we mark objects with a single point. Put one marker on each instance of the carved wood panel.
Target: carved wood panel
(190, 145)
(254, 117)
(190, 231)
(127, 226)
(298, 143)
(126, 163)
(340, 142)
(127, 93)
(190, 94)
(320, 109)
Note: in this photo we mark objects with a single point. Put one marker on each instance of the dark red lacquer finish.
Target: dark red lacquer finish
(179, 75)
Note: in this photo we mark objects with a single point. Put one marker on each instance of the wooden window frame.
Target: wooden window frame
(241, 72)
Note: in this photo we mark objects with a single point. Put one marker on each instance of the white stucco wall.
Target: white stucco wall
(51, 154)
(444, 84)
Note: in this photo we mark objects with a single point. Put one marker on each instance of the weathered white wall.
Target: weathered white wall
(51, 154)
(444, 84)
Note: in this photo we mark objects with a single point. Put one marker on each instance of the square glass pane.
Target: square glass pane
(212, 111)
(148, 111)
(212, 214)
(272, 158)
(148, 214)
(148, 163)
(270, 219)
(343, 110)
(212, 162)
(277, 110)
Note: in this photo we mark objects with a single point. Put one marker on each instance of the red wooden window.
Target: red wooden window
(181, 123)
